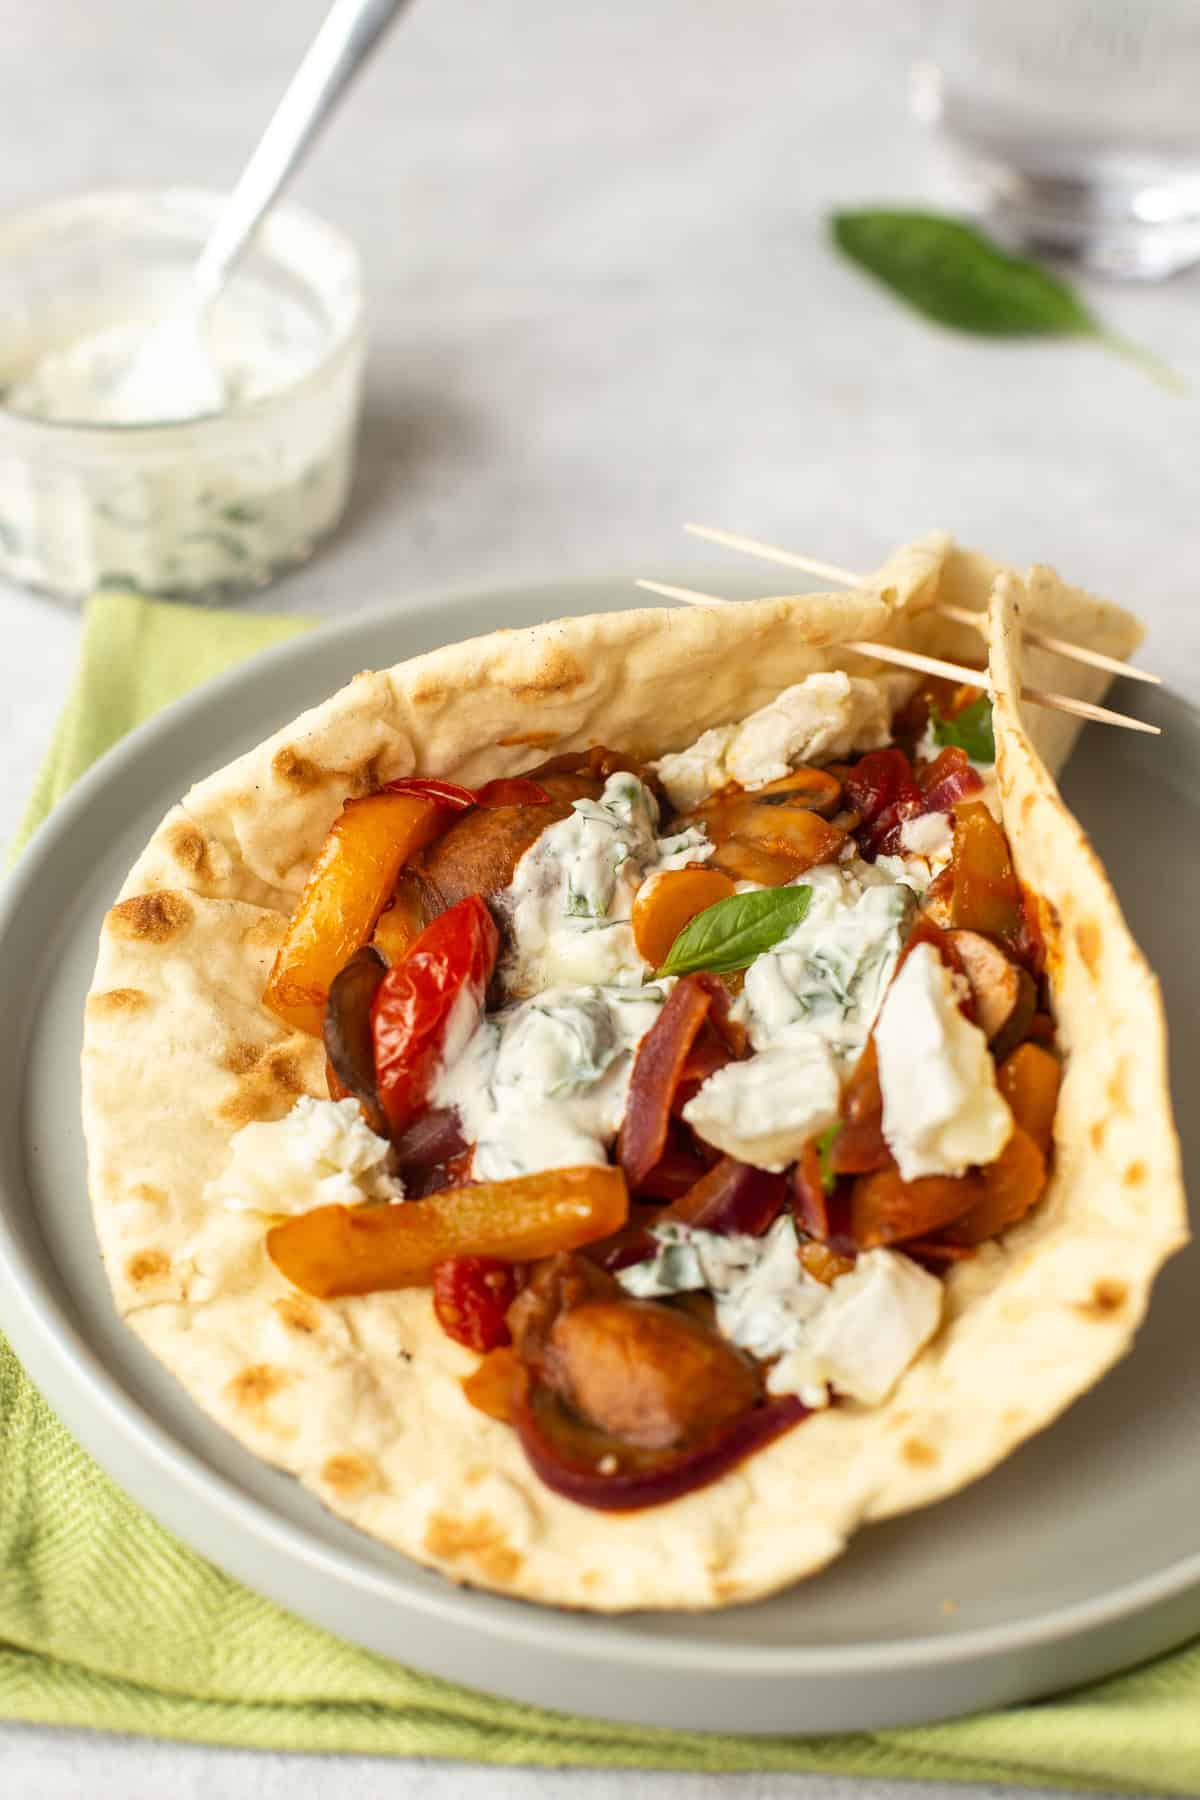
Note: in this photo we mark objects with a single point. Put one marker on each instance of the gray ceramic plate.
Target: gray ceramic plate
(1081, 1555)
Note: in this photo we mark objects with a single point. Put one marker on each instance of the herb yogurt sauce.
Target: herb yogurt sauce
(221, 503)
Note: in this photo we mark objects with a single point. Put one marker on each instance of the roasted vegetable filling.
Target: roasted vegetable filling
(681, 1086)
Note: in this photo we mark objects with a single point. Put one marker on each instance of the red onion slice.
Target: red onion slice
(657, 1068)
(434, 1138)
(732, 1198)
(639, 1479)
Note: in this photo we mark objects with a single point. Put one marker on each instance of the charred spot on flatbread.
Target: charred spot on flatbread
(239, 1059)
(296, 771)
(270, 1080)
(151, 918)
(348, 1473)
(190, 849)
(1107, 1298)
(1089, 943)
(255, 1386)
(558, 673)
(918, 1454)
(367, 775)
(265, 931)
(148, 1195)
(428, 691)
(479, 1540)
(534, 740)
(147, 1266)
(118, 1002)
(298, 1313)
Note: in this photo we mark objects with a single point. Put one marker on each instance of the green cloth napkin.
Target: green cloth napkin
(106, 1620)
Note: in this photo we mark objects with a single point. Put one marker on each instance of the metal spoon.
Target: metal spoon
(173, 356)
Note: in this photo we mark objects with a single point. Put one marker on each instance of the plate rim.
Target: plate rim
(45, 1336)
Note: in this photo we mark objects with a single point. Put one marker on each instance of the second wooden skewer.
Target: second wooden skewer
(961, 615)
(933, 665)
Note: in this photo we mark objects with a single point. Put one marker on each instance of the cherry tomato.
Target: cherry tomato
(412, 1009)
(882, 788)
(471, 1295)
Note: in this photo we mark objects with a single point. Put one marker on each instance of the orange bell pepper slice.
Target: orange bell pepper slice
(667, 902)
(986, 895)
(886, 1209)
(490, 1387)
(338, 1250)
(350, 884)
(1011, 1186)
(1029, 1079)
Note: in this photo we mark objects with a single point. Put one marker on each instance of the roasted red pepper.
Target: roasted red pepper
(412, 1010)
(513, 791)
(446, 793)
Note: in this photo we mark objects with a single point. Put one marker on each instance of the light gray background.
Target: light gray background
(602, 302)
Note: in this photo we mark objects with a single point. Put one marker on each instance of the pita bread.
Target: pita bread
(360, 1399)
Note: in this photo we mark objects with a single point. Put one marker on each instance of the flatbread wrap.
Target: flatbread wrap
(831, 1342)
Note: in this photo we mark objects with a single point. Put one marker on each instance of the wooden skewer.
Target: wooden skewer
(934, 665)
(772, 553)
(1095, 659)
(961, 615)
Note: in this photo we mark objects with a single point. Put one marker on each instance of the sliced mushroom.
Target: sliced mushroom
(815, 789)
(478, 853)
(995, 980)
(648, 1374)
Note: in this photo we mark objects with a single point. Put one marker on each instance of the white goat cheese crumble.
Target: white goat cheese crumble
(764, 1110)
(931, 835)
(942, 1110)
(817, 720)
(322, 1153)
(855, 1336)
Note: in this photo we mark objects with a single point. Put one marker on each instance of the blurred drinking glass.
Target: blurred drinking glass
(1077, 123)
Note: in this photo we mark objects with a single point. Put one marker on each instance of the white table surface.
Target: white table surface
(603, 303)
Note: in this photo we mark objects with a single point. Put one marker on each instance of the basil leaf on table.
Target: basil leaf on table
(952, 273)
(732, 933)
(969, 730)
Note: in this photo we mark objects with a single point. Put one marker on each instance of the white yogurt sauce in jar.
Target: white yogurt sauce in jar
(206, 472)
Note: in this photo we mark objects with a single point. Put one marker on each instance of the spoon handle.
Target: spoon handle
(351, 30)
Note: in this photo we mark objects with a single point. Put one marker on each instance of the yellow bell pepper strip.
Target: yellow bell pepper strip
(350, 884)
(338, 1250)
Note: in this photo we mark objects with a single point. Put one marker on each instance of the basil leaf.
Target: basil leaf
(969, 730)
(732, 933)
(825, 1145)
(951, 273)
